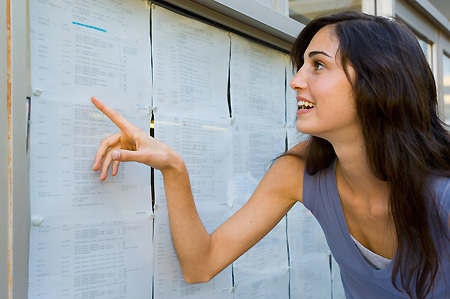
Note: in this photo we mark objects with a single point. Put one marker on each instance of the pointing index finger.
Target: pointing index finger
(113, 115)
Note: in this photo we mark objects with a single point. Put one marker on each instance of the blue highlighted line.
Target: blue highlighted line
(88, 26)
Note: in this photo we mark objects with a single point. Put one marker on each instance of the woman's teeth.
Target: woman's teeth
(305, 105)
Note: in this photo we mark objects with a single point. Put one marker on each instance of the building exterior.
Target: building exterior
(274, 22)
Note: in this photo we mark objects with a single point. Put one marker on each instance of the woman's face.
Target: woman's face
(326, 107)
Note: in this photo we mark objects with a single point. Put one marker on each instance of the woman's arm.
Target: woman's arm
(201, 255)
(278, 191)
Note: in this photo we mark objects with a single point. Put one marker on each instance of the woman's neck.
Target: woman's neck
(353, 169)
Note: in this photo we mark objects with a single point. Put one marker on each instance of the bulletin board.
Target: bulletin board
(219, 98)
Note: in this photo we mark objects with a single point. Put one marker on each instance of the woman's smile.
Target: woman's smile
(304, 106)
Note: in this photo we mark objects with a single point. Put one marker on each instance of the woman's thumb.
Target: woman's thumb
(122, 156)
(128, 156)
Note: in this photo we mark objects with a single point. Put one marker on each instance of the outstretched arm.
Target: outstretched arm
(201, 255)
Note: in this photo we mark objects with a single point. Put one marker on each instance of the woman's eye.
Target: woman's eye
(318, 65)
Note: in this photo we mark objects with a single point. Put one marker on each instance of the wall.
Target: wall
(4, 173)
(256, 23)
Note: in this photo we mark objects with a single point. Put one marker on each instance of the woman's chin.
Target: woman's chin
(303, 129)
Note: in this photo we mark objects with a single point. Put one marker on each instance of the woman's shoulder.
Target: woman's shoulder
(298, 151)
(287, 171)
(295, 156)
(294, 159)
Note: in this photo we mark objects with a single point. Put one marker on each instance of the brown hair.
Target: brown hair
(406, 142)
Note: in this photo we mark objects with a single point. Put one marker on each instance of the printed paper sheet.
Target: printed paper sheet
(88, 48)
(91, 256)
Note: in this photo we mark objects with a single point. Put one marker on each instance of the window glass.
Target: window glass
(426, 48)
(446, 85)
(305, 10)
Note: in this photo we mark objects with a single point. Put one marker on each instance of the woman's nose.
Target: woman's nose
(298, 82)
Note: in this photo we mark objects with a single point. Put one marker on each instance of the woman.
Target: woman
(376, 173)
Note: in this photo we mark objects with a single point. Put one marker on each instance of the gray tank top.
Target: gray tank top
(359, 278)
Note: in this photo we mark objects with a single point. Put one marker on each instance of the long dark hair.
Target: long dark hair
(406, 142)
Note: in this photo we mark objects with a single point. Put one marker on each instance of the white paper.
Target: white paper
(293, 135)
(91, 47)
(190, 67)
(269, 255)
(91, 256)
(169, 282)
(263, 269)
(257, 82)
(310, 277)
(273, 285)
(257, 88)
(257, 79)
(65, 134)
(206, 148)
(336, 281)
(308, 255)
(254, 149)
(304, 233)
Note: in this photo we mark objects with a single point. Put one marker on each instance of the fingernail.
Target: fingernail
(116, 155)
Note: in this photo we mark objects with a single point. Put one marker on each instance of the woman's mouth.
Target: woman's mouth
(304, 105)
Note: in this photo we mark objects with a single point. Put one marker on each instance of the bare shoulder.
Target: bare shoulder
(287, 172)
(299, 149)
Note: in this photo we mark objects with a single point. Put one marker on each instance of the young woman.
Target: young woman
(375, 173)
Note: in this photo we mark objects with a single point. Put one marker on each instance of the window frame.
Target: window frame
(439, 38)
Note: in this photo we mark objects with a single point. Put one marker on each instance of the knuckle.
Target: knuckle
(104, 141)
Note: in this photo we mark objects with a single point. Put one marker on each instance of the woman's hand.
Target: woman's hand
(131, 144)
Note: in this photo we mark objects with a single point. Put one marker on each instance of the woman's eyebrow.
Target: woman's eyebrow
(314, 53)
